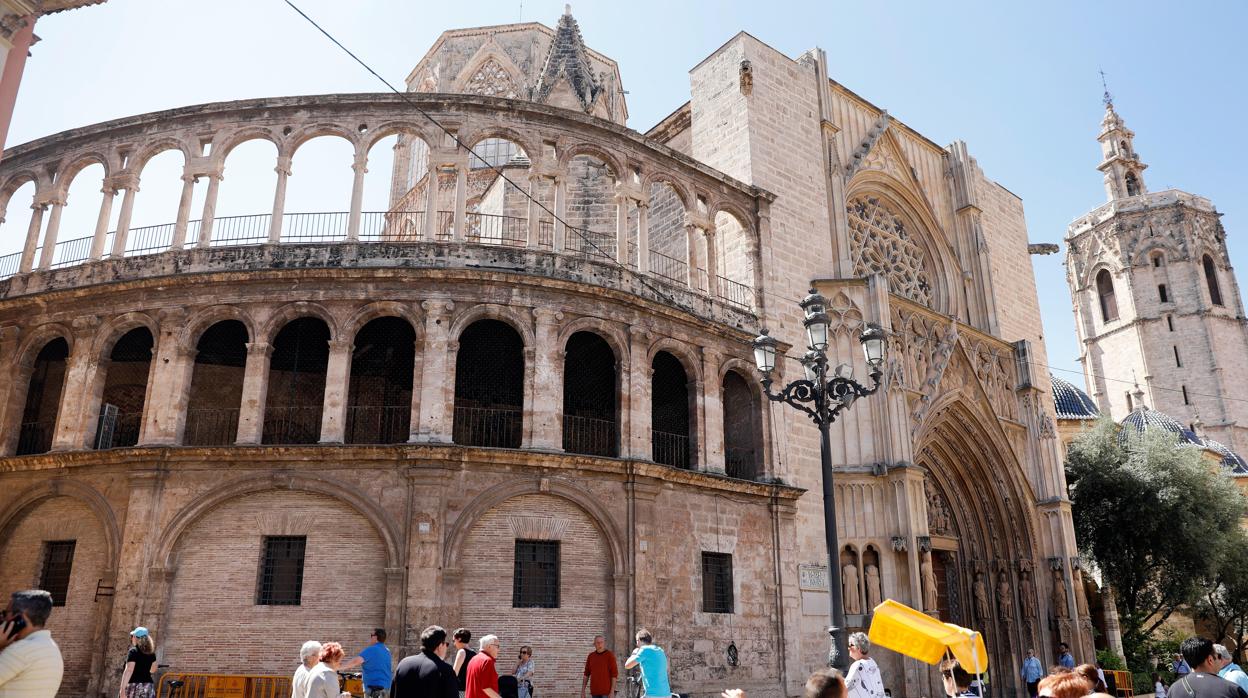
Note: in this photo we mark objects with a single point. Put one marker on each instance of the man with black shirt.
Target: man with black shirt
(426, 675)
(1203, 682)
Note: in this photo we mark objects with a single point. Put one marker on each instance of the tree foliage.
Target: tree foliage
(1223, 601)
(1154, 517)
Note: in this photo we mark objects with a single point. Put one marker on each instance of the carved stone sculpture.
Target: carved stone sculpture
(1027, 595)
(1005, 604)
(873, 587)
(1081, 594)
(1060, 599)
(982, 609)
(930, 604)
(849, 584)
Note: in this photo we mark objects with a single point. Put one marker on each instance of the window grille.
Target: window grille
(125, 385)
(379, 403)
(281, 571)
(669, 412)
(489, 386)
(296, 397)
(589, 396)
(58, 561)
(717, 583)
(43, 398)
(742, 429)
(493, 152)
(535, 583)
(217, 385)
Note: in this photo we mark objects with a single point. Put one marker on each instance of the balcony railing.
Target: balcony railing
(211, 427)
(491, 229)
(590, 436)
(292, 425)
(495, 427)
(381, 424)
(741, 463)
(735, 292)
(670, 449)
(35, 437)
(670, 268)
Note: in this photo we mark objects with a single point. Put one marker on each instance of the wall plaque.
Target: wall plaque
(812, 577)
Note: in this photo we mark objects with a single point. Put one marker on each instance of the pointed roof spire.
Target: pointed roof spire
(1107, 98)
(568, 59)
(1138, 394)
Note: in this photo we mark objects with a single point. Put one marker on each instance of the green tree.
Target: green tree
(1223, 602)
(1154, 517)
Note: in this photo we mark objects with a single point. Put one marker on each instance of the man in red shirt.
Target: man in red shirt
(601, 670)
(482, 677)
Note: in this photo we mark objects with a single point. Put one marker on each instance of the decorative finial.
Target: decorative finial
(1138, 393)
(1107, 98)
(567, 9)
(1197, 425)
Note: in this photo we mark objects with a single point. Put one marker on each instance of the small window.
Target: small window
(1185, 402)
(58, 561)
(281, 571)
(1211, 278)
(535, 583)
(1133, 184)
(717, 583)
(1177, 361)
(1170, 322)
(1105, 292)
(1159, 260)
(1161, 293)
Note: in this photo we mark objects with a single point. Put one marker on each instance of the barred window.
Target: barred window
(58, 560)
(536, 580)
(281, 571)
(717, 583)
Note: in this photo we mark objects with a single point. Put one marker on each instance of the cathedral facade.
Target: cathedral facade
(522, 399)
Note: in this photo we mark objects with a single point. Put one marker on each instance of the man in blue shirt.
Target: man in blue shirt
(1179, 666)
(653, 663)
(377, 665)
(1033, 671)
(1228, 669)
(1064, 657)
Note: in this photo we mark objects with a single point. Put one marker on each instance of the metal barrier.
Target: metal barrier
(180, 685)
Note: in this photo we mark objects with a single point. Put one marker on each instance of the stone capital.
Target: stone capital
(263, 349)
(437, 308)
(547, 316)
(341, 346)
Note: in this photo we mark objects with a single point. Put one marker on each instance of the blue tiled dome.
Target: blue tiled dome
(1142, 419)
(1232, 461)
(1071, 402)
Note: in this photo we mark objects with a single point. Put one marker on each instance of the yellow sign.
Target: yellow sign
(226, 687)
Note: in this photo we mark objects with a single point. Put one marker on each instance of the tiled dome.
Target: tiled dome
(1071, 402)
(1232, 461)
(1142, 419)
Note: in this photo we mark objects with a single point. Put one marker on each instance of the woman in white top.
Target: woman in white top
(863, 680)
(323, 678)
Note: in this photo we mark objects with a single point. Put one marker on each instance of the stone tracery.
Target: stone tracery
(492, 80)
(881, 244)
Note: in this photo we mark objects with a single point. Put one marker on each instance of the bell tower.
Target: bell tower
(1121, 165)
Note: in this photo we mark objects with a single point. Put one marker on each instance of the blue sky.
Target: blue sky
(1017, 81)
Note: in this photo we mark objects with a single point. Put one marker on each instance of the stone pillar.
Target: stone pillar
(337, 375)
(1113, 629)
(548, 382)
(712, 262)
(184, 212)
(49, 236)
(437, 386)
(360, 167)
(138, 597)
(131, 185)
(32, 237)
(639, 371)
(167, 390)
(691, 254)
(561, 212)
(102, 221)
(711, 413)
(431, 200)
(14, 371)
(279, 199)
(461, 197)
(79, 405)
(534, 211)
(210, 209)
(621, 229)
(643, 237)
(255, 393)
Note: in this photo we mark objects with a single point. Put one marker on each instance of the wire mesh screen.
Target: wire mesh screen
(125, 385)
(217, 385)
(292, 413)
(535, 583)
(717, 583)
(489, 386)
(742, 429)
(589, 397)
(379, 404)
(58, 562)
(43, 398)
(669, 411)
(281, 573)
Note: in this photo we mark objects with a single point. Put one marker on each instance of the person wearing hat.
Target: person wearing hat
(136, 680)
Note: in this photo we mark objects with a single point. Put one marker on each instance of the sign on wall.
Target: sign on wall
(813, 577)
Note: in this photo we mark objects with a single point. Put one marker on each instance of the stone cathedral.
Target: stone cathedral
(522, 398)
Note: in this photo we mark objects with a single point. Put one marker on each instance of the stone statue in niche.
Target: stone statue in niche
(1005, 604)
(980, 589)
(849, 584)
(873, 587)
(1027, 594)
(1060, 599)
(930, 603)
(1081, 594)
(937, 513)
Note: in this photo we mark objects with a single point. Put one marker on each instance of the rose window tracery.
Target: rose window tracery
(492, 80)
(881, 244)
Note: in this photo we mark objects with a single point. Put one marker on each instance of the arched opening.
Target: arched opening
(379, 400)
(318, 196)
(156, 204)
(743, 447)
(1105, 293)
(292, 413)
(125, 389)
(1211, 278)
(489, 386)
(1133, 184)
(590, 390)
(18, 213)
(217, 385)
(734, 264)
(404, 219)
(244, 206)
(43, 398)
(82, 208)
(1159, 259)
(497, 209)
(669, 243)
(591, 207)
(670, 412)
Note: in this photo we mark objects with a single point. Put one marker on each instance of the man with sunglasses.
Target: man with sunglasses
(377, 662)
(426, 675)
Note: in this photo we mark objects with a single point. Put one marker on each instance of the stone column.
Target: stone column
(711, 413)
(461, 197)
(643, 237)
(184, 212)
(561, 212)
(102, 221)
(32, 237)
(621, 229)
(13, 373)
(279, 199)
(49, 236)
(691, 254)
(712, 262)
(138, 596)
(639, 371)
(131, 185)
(167, 395)
(210, 209)
(360, 167)
(337, 375)
(437, 386)
(431, 200)
(534, 211)
(548, 382)
(255, 393)
(78, 405)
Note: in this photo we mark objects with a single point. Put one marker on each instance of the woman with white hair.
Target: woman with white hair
(309, 655)
(863, 680)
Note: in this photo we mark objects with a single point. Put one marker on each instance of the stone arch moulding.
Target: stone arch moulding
(517, 318)
(691, 363)
(29, 498)
(334, 489)
(38, 338)
(294, 311)
(114, 329)
(205, 318)
(376, 310)
(484, 502)
(609, 331)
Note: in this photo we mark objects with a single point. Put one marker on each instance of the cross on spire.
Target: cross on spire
(1107, 98)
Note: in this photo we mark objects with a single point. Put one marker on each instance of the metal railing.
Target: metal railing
(211, 426)
(493, 229)
(670, 268)
(239, 230)
(735, 292)
(146, 240)
(590, 436)
(669, 449)
(380, 424)
(590, 243)
(292, 425)
(183, 685)
(35, 437)
(315, 227)
(392, 226)
(118, 429)
(496, 427)
(545, 233)
(741, 463)
(444, 228)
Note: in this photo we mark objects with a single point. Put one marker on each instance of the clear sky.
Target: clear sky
(1017, 81)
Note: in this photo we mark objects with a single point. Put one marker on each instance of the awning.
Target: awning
(915, 634)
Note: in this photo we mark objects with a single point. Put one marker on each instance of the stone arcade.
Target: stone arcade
(245, 432)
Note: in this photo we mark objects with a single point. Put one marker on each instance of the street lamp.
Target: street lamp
(822, 397)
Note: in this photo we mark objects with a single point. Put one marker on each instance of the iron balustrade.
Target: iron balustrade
(211, 426)
(670, 268)
(670, 449)
(741, 463)
(590, 243)
(35, 437)
(241, 230)
(380, 424)
(119, 431)
(292, 425)
(9, 264)
(444, 231)
(493, 229)
(148, 240)
(71, 252)
(496, 427)
(545, 233)
(392, 226)
(315, 227)
(735, 292)
(590, 436)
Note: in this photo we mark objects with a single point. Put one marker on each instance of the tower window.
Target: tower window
(1105, 292)
(1159, 260)
(1185, 402)
(1133, 184)
(1177, 361)
(1161, 293)
(1170, 322)
(1211, 278)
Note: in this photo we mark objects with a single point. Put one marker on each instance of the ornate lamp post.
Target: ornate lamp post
(822, 398)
